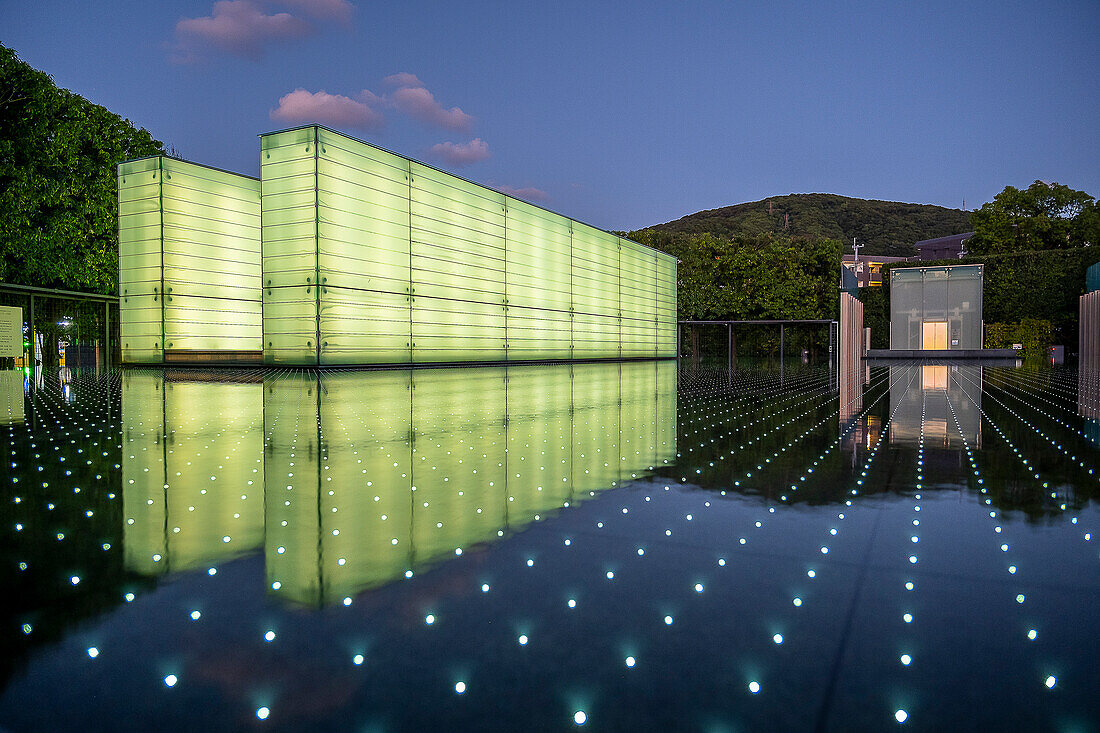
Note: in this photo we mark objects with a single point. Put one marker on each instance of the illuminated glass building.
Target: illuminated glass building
(936, 308)
(344, 253)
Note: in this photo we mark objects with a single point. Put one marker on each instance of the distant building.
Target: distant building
(868, 270)
(943, 248)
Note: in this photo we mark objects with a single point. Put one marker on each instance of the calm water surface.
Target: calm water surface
(601, 546)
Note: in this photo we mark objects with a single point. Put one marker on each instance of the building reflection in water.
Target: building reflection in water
(916, 390)
(348, 480)
(935, 396)
(1088, 394)
(11, 397)
(865, 432)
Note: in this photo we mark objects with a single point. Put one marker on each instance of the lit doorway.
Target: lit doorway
(934, 335)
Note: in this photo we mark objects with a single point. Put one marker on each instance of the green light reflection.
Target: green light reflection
(333, 460)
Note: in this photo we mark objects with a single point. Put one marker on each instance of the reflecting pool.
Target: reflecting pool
(624, 546)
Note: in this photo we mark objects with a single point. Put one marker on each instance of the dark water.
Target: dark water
(529, 548)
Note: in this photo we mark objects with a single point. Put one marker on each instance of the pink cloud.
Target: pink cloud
(243, 27)
(403, 79)
(329, 109)
(418, 103)
(236, 27)
(528, 193)
(461, 154)
(337, 10)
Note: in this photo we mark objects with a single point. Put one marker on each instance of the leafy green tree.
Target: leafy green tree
(58, 182)
(752, 278)
(1041, 217)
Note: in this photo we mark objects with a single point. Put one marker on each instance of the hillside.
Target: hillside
(885, 227)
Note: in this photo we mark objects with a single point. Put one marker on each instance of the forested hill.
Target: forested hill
(885, 227)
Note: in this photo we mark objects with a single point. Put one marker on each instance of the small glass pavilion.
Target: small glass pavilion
(936, 308)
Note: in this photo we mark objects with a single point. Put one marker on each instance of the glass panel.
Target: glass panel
(457, 233)
(638, 299)
(363, 214)
(360, 325)
(595, 336)
(211, 256)
(139, 260)
(666, 305)
(456, 330)
(212, 324)
(140, 328)
(964, 304)
(906, 308)
(596, 274)
(290, 326)
(538, 258)
(289, 207)
(935, 294)
(534, 333)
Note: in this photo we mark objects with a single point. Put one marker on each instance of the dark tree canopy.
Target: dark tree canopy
(58, 182)
(1043, 216)
(883, 227)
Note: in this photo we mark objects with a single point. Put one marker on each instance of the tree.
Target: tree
(1042, 216)
(58, 182)
(752, 278)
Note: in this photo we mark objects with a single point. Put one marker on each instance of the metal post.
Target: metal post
(781, 353)
(31, 361)
(729, 345)
(106, 334)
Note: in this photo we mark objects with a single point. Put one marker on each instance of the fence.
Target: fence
(64, 327)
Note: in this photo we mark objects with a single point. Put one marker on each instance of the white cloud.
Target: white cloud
(461, 154)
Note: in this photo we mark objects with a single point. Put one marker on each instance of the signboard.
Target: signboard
(11, 331)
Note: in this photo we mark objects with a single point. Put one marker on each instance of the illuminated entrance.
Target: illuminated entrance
(934, 335)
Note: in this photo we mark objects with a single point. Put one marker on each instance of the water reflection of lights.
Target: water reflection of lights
(273, 483)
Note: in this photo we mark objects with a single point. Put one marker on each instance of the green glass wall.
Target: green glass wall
(349, 479)
(951, 295)
(373, 258)
(189, 260)
(140, 274)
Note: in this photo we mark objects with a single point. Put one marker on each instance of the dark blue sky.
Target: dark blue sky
(620, 114)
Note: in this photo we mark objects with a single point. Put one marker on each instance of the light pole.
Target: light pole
(855, 266)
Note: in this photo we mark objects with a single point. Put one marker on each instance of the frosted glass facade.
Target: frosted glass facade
(368, 257)
(942, 303)
(189, 262)
(372, 258)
